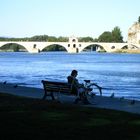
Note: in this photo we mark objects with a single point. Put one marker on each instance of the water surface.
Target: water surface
(119, 73)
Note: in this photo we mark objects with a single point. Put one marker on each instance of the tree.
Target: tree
(105, 37)
(86, 39)
(116, 35)
(139, 19)
(62, 39)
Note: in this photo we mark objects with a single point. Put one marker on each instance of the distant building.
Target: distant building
(134, 34)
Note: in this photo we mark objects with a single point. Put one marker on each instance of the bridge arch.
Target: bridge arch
(31, 47)
(54, 47)
(133, 46)
(125, 47)
(96, 46)
(14, 46)
(112, 47)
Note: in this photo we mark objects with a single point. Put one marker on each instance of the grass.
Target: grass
(25, 118)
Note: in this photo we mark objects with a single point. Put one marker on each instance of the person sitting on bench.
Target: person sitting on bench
(77, 88)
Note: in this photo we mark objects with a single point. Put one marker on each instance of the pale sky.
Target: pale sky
(81, 18)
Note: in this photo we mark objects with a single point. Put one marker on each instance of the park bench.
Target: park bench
(51, 87)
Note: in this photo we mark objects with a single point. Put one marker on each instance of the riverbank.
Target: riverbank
(128, 51)
(96, 101)
(101, 51)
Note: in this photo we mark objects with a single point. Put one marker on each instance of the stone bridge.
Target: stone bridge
(72, 46)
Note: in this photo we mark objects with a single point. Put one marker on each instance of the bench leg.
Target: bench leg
(51, 94)
(44, 97)
(100, 91)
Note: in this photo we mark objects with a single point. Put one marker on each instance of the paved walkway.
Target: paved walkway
(96, 101)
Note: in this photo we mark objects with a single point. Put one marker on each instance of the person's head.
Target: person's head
(74, 73)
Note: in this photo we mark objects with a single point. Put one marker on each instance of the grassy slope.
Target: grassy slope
(24, 118)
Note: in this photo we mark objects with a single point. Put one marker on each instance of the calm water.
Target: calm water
(120, 73)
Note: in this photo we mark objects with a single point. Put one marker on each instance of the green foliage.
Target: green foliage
(95, 40)
(139, 19)
(3, 39)
(39, 38)
(85, 39)
(105, 37)
(62, 39)
(114, 36)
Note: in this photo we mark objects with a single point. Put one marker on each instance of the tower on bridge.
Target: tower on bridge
(73, 44)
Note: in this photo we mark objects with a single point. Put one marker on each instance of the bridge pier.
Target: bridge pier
(34, 50)
(73, 50)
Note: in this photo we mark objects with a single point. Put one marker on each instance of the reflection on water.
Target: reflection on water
(119, 73)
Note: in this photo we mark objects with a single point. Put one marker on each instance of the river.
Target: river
(117, 73)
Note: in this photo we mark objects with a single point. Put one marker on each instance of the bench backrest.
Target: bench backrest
(61, 87)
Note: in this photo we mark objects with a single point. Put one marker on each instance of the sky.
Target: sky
(80, 18)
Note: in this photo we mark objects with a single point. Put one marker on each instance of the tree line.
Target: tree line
(114, 36)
